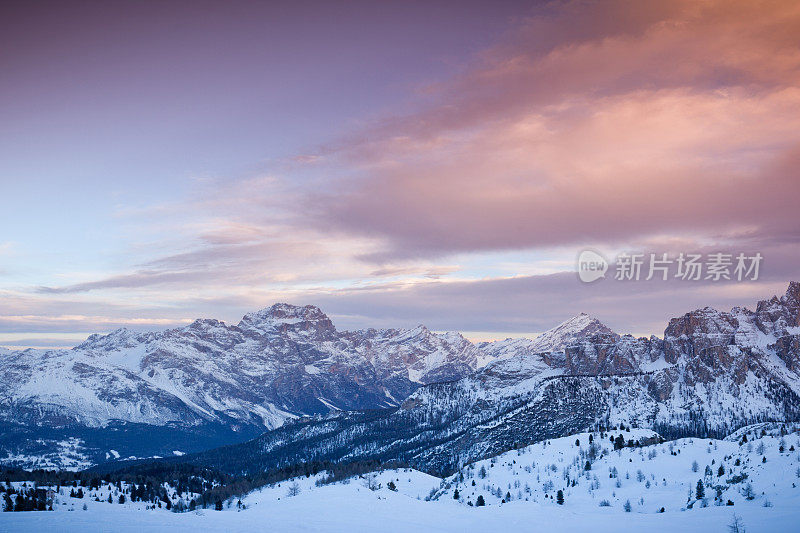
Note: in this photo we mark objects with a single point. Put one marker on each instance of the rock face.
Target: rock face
(712, 373)
(224, 383)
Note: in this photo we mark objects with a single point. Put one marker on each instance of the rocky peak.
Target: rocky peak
(575, 329)
(776, 315)
(206, 323)
(418, 333)
(792, 303)
(793, 293)
(118, 339)
(705, 321)
(285, 317)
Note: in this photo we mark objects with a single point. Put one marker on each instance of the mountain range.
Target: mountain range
(285, 386)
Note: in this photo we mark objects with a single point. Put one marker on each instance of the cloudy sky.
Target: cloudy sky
(393, 163)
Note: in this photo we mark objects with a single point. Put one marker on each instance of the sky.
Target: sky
(393, 163)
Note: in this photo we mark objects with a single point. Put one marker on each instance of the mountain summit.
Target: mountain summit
(576, 329)
(555, 340)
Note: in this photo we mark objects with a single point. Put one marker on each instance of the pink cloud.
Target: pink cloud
(681, 119)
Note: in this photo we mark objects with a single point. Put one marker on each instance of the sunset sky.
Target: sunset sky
(393, 163)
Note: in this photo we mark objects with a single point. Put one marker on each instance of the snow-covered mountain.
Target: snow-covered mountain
(711, 373)
(209, 383)
(576, 329)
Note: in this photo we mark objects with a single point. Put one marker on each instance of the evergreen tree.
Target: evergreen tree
(218, 505)
(480, 502)
(455, 494)
(560, 497)
(700, 491)
(587, 466)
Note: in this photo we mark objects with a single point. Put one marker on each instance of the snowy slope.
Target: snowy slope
(649, 477)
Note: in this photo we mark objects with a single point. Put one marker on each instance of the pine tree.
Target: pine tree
(456, 495)
(560, 497)
(700, 491)
(480, 502)
(218, 505)
(587, 466)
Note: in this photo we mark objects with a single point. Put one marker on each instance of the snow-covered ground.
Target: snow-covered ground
(649, 477)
